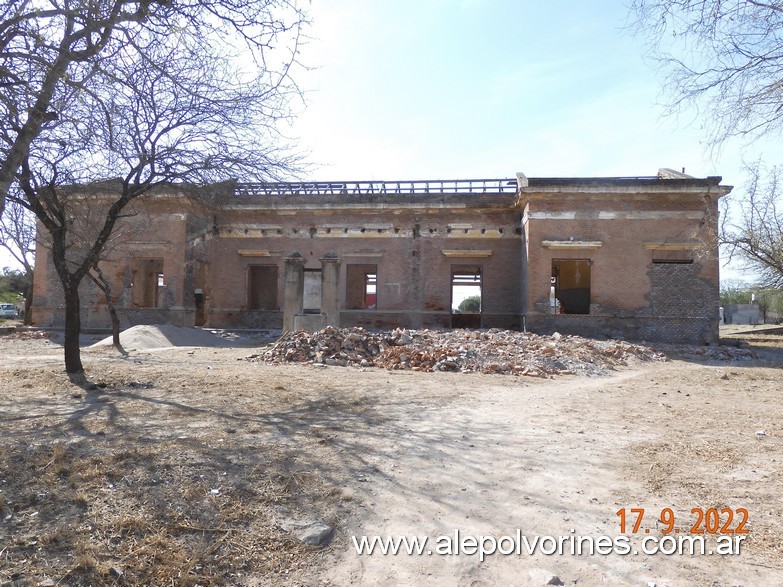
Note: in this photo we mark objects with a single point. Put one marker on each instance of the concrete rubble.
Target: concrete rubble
(467, 351)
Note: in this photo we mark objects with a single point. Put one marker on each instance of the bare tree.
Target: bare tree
(756, 233)
(124, 231)
(17, 236)
(40, 43)
(723, 56)
(188, 91)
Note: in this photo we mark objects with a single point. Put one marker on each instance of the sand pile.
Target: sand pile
(150, 337)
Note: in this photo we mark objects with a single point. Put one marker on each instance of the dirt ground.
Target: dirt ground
(182, 466)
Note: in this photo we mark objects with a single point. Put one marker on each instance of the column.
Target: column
(293, 289)
(330, 280)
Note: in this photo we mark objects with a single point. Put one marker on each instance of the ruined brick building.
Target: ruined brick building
(619, 257)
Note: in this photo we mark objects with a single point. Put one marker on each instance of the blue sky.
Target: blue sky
(485, 88)
(462, 89)
(444, 89)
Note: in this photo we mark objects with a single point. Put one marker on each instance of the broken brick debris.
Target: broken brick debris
(467, 351)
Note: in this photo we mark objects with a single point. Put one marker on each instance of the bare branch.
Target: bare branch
(149, 92)
(722, 56)
(756, 234)
(17, 234)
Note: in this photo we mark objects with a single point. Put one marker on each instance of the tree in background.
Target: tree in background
(13, 283)
(769, 301)
(152, 93)
(756, 233)
(17, 235)
(722, 56)
(725, 58)
(470, 305)
(734, 291)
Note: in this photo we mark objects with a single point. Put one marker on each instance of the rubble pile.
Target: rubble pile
(30, 334)
(467, 351)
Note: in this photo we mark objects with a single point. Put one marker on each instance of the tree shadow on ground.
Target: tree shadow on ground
(191, 492)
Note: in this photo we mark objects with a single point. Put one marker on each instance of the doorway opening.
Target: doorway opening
(201, 316)
(570, 285)
(466, 303)
(200, 280)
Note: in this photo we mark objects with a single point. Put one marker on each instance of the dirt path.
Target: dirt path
(566, 455)
(198, 451)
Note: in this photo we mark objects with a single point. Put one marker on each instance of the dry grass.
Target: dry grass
(668, 471)
(726, 471)
(163, 514)
(156, 478)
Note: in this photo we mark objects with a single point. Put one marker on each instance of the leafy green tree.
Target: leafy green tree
(13, 283)
(735, 292)
(470, 305)
(769, 301)
(17, 236)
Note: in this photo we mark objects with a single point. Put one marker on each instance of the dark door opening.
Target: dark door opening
(200, 278)
(466, 296)
(148, 282)
(201, 317)
(571, 284)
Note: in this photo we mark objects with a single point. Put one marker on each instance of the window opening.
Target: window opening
(553, 301)
(148, 282)
(370, 290)
(361, 284)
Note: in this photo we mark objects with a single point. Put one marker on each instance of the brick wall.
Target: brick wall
(651, 329)
(415, 240)
(631, 296)
(407, 247)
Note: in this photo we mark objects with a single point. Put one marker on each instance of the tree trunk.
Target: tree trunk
(73, 327)
(115, 327)
(103, 284)
(28, 303)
